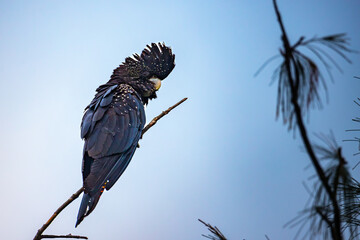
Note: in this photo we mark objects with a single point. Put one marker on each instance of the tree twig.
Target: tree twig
(63, 236)
(157, 118)
(39, 235)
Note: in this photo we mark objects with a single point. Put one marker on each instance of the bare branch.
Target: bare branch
(39, 235)
(157, 118)
(63, 236)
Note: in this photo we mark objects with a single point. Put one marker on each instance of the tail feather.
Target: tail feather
(103, 174)
(93, 202)
(88, 204)
(83, 207)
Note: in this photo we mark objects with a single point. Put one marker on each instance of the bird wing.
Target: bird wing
(111, 127)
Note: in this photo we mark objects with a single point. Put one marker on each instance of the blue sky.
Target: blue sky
(220, 156)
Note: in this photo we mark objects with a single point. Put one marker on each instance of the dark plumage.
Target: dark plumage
(113, 121)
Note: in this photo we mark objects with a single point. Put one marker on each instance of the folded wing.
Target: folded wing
(111, 128)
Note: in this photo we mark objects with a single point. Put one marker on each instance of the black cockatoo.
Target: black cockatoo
(113, 121)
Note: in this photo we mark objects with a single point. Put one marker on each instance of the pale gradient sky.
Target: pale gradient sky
(220, 156)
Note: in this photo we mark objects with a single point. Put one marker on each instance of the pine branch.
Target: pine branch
(214, 230)
(293, 81)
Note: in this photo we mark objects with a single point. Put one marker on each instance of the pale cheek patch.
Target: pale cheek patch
(157, 83)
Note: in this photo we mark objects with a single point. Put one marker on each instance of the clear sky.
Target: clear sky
(220, 156)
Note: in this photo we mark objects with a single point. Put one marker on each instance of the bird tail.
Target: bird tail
(88, 204)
